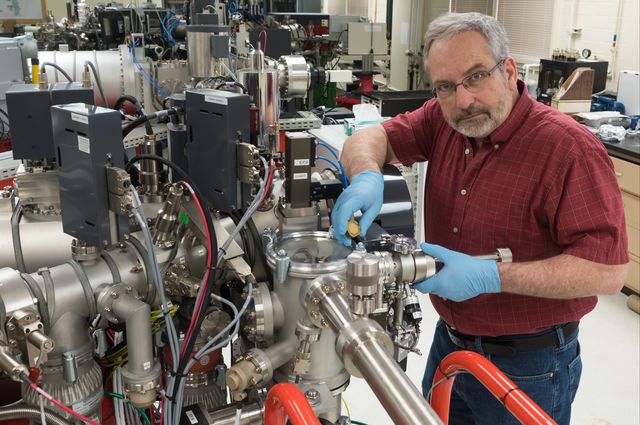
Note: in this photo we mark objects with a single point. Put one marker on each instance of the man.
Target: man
(504, 171)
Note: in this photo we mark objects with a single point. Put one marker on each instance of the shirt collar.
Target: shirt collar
(518, 115)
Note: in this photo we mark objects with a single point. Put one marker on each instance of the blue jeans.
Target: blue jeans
(550, 376)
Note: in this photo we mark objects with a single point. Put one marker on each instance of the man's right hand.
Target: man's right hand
(365, 193)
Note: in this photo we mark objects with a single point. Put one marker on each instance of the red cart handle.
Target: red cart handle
(513, 398)
(285, 400)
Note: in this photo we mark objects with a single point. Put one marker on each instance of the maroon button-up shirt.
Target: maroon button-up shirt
(540, 184)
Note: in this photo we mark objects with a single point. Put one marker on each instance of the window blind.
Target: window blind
(464, 6)
(529, 30)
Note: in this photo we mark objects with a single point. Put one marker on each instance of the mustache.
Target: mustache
(468, 112)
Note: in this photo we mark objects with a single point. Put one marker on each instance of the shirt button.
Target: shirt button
(455, 230)
(466, 151)
(463, 192)
(496, 147)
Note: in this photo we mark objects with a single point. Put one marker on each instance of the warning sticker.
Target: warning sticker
(84, 144)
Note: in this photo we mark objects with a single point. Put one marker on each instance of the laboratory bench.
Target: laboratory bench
(626, 161)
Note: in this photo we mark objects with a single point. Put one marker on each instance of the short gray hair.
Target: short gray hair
(451, 24)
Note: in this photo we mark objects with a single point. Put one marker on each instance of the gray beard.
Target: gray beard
(483, 125)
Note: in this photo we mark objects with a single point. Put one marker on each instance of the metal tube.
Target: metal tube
(11, 366)
(336, 311)
(282, 352)
(24, 412)
(393, 388)
(361, 346)
(249, 415)
(141, 375)
(136, 313)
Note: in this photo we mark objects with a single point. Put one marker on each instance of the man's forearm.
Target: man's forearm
(366, 150)
(562, 277)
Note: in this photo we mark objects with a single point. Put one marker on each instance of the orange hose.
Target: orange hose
(513, 398)
(285, 400)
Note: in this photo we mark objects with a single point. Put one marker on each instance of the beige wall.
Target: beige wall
(597, 21)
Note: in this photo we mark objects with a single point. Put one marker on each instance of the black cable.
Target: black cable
(135, 102)
(213, 277)
(233, 83)
(128, 128)
(58, 67)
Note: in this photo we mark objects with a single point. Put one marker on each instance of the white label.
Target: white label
(80, 118)
(300, 162)
(299, 176)
(146, 365)
(192, 418)
(87, 405)
(84, 144)
(216, 99)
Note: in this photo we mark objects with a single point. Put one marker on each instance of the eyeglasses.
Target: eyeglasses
(472, 83)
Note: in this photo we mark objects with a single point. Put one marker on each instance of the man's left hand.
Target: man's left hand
(462, 277)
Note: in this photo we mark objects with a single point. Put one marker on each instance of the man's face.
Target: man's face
(474, 114)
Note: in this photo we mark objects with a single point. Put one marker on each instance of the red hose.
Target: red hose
(513, 398)
(285, 400)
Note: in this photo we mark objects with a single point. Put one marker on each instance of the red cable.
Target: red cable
(62, 406)
(209, 257)
(266, 188)
(265, 41)
(206, 275)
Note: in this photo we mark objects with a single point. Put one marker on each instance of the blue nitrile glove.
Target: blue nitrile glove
(462, 277)
(363, 193)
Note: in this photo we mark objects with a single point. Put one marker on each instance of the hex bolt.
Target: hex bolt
(324, 323)
(340, 287)
(315, 300)
(314, 314)
(326, 289)
(312, 395)
(114, 295)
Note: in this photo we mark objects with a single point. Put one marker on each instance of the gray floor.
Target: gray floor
(609, 393)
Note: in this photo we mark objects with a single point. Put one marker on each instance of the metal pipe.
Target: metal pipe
(136, 313)
(41, 242)
(364, 349)
(141, 375)
(282, 352)
(10, 365)
(393, 388)
(249, 414)
(24, 412)
(257, 366)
